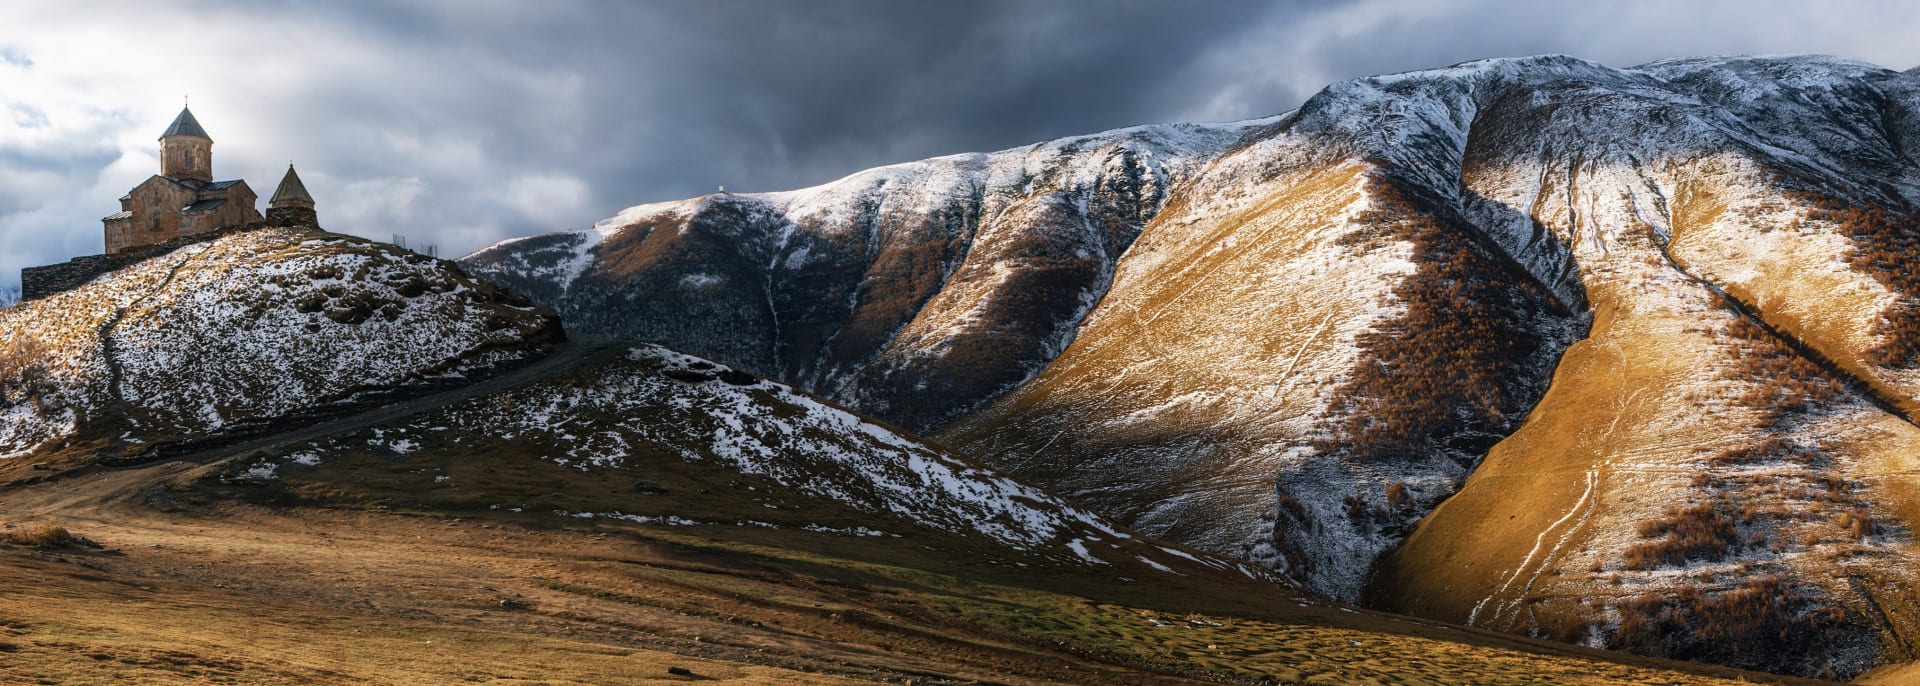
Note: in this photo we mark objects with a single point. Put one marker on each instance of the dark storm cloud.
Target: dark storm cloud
(843, 86)
(771, 95)
(463, 122)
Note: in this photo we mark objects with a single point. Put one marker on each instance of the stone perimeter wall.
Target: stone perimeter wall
(40, 282)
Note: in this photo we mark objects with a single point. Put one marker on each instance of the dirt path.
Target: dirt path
(574, 353)
(571, 354)
(109, 350)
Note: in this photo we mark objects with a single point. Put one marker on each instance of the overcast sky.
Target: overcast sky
(464, 122)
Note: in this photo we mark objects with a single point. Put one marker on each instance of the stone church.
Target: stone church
(182, 205)
(184, 200)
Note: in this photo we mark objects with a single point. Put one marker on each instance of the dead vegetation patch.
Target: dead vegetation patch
(1775, 493)
(1439, 385)
(1784, 383)
(1451, 373)
(1699, 532)
(44, 535)
(23, 371)
(1745, 626)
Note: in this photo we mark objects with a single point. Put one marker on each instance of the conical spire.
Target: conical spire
(291, 205)
(291, 192)
(186, 125)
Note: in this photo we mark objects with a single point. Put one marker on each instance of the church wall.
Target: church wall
(157, 217)
(196, 222)
(292, 215)
(119, 234)
(240, 207)
(238, 210)
(156, 214)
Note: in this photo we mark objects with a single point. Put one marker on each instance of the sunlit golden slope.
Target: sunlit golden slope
(1712, 474)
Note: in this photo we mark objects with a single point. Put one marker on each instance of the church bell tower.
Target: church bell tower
(186, 152)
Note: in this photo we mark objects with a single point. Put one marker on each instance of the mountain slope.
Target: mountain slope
(1308, 309)
(1722, 281)
(1645, 300)
(646, 404)
(1732, 226)
(912, 292)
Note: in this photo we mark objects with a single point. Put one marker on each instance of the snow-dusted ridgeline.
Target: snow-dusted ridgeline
(913, 292)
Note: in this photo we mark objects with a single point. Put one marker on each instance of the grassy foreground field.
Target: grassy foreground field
(194, 582)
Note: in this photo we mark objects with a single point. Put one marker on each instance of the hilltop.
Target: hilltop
(230, 335)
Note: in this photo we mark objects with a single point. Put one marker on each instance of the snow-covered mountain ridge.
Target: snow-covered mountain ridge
(1566, 299)
(951, 279)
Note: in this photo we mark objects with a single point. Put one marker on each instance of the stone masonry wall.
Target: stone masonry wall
(292, 216)
(40, 282)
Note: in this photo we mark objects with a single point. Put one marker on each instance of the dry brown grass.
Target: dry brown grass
(1638, 353)
(1453, 363)
(1398, 497)
(621, 604)
(44, 535)
(1785, 383)
(23, 368)
(1856, 524)
(1697, 532)
(1769, 449)
(1528, 481)
(1742, 626)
